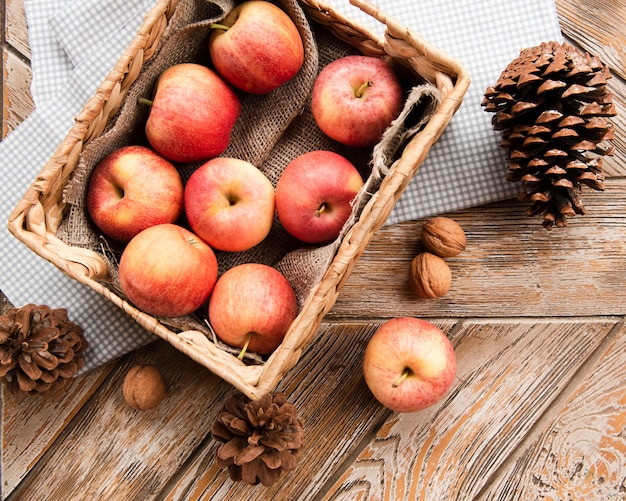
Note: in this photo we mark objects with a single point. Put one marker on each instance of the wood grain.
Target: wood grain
(508, 375)
(17, 105)
(16, 29)
(581, 454)
(30, 426)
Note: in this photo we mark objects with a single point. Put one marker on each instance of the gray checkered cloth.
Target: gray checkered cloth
(75, 44)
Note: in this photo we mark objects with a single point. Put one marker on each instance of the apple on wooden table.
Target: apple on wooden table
(252, 308)
(256, 47)
(167, 271)
(131, 189)
(192, 114)
(314, 195)
(230, 204)
(355, 98)
(409, 364)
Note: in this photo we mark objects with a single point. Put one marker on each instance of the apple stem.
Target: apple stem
(218, 26)
(319, 211)
(359, 92)
(145, 100)
(242, 353)
(405, 373)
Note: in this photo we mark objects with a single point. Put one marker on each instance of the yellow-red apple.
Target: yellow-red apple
(355, 98)
(256, 47)
(314, 195)
(409, 364)
(168, 271)
(131, 189)
(230, 204)
(192, 113)
(252, 307)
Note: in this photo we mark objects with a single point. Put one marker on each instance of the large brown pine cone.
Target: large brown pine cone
(551, 104)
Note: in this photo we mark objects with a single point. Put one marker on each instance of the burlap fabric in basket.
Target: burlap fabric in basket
(272, 130)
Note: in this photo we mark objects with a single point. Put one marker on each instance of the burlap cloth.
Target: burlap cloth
(272, 130)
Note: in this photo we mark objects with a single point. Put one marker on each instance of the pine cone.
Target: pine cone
(39, 349)
(551, 103)
(261, 438)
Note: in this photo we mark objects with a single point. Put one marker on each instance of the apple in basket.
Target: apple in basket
(252, 307)
(409, 364)
(314, 195)
(192, 113)
(256, 47)
(229, 204)
(123, 188)
(355, 98)
(168, 271)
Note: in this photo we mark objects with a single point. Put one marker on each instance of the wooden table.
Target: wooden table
(537, 410)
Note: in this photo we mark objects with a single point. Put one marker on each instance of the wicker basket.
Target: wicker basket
(37, 217)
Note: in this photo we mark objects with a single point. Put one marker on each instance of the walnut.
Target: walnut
(430, 276)
(144, 387)
(443, 236)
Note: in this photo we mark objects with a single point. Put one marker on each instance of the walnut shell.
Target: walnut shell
(443, 236)
(144, 387)
(430, 276)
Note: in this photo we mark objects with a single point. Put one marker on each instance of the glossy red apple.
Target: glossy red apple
(192, 113)
(167, 271)
(230, 204)
(256, 47)
(314, 195)
(355, 98)
(252, 307)
(124, 188)
(409, 364)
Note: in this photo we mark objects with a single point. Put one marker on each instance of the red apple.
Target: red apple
(252, 307)
(314, 195)
(256, 47)
(192, 113)
(167, 271)
(230, 204)
(355, 98)
(409, 364)
(123, 189)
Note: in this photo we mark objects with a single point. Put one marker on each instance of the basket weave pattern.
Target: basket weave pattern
(38, 216)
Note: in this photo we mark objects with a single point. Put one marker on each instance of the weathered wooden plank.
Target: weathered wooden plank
(17, 102)
(16, 28)
(512, 267)
(30, 425)
(582, 453)
(508, 375)
(114, 452)
(338, 412)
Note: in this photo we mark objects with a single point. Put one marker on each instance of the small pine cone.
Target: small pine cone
(39, 349)
(261, 438)
(551, 104)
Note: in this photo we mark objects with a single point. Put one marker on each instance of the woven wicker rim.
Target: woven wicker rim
(37, 216)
